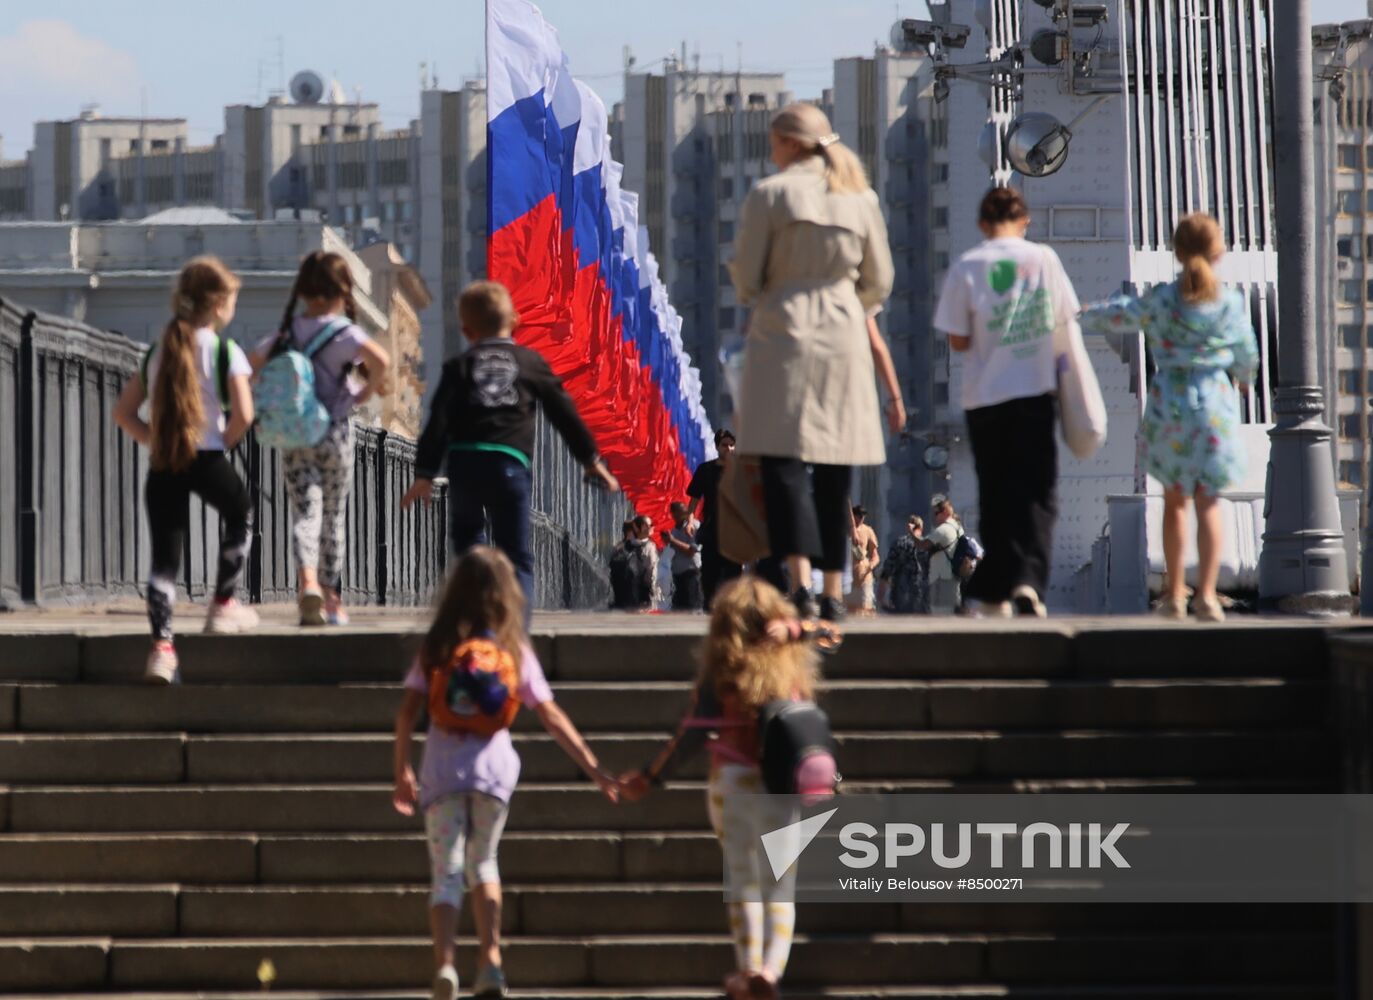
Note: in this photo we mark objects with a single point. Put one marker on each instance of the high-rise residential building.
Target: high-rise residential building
(1343, 56)
(422, 189)
(693, 144)
(884, 109)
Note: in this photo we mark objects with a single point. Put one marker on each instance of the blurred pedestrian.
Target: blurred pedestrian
(704, 491)
(866, 558)
(686, 559)
(904, 585)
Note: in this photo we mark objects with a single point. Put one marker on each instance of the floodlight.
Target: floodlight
(1037, 144)
(1046, 48)
(910, 33)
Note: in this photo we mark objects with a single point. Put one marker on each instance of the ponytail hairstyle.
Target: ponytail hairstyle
(1001, 205)
(177, 410)
(1197, 243)
(322, 275)
(808, 125)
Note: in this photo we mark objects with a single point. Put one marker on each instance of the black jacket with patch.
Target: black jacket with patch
(489, 394)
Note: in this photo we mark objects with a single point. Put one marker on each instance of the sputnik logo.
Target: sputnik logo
(784, 845)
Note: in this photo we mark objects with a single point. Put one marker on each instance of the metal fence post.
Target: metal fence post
(383, 537)
(28, 465)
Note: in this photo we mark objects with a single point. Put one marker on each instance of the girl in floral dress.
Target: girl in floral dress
(1202, 342)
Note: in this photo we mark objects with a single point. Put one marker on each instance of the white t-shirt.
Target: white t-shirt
(207, 343)
(1009, 296)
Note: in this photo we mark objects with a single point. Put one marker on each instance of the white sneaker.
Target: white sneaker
(446, 984)
(162, 664)
(1026, 602)
(229, 618)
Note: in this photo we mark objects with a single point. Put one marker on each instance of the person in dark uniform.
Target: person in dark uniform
(704, 492)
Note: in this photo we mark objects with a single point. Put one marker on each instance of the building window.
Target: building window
(1349, 382)
(1351, 292)
(726, 319)
(352, 130)
(941, 218)
(104, 152)
(1370, 202)
(1351, 335)
(1369, 291)
(726, 188)
(725, 277)
(1350, 203)
(347, 214)
(1349, 426)
(1351, 473)
(405, 208)
(1349, 157)
(386, 211)
(324, 131)
(941, 394)
(726, 231)
(1349, 246)
(406, 251)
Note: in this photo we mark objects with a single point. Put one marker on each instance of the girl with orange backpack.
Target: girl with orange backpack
(474, 671)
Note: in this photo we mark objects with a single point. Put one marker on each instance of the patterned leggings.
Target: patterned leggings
(319, 480)
(762, 915)
(464, 833)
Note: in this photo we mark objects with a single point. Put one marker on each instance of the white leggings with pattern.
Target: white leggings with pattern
(464, 834)
(762, 914)
(319, 480)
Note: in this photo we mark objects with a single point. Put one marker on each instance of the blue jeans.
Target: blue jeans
(488, 486)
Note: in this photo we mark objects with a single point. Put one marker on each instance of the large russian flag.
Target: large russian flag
(565, 239)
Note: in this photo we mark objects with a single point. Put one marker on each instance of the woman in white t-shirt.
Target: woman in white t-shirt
(1003, 300)
(201, 406)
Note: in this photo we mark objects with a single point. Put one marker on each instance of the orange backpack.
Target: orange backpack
(477, 690)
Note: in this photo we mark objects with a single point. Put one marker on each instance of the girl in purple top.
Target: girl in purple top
(466, 780)
(319, 478)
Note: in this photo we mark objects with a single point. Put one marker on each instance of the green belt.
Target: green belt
(502, 449)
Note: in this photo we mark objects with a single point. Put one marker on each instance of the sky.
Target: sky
(175, 59)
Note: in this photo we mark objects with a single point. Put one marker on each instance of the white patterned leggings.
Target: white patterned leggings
(319, 480)
(464, 834)
(762, 914)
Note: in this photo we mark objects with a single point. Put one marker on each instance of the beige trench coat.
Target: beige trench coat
(811, 265)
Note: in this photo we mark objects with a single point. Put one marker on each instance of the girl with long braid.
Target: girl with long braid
(320, 477)
(201, 406)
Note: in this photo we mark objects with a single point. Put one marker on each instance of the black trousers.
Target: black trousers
(715, 570)
(686, 591)
(212, 478)
(807, 508)
(1017, 480)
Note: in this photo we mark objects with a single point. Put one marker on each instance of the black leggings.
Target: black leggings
(1017, 476)
(212, 478)
(807, 511)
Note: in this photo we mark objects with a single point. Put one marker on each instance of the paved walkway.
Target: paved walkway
(127, 617)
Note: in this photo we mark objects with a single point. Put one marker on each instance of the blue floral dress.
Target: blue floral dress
(1189, 438)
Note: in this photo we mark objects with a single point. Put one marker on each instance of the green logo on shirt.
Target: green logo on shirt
(1002, 275)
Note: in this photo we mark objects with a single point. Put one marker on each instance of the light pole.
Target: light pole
(1302, 569)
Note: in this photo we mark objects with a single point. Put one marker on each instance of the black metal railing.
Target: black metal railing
(72, 523)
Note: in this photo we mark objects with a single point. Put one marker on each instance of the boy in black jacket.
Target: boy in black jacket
(482, 420)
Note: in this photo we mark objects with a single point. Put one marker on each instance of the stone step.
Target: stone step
(680, 960)
(904, 650)
(366, 808)
(655, 705)
(1165, 991)
(587, 910)
(304, 759)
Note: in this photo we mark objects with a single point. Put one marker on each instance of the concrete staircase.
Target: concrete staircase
(169, 840)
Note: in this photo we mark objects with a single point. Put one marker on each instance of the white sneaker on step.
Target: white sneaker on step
(229, 618)
(161, 667)
(446, 984)
(311, 605)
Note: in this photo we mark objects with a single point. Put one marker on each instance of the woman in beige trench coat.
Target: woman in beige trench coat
(812, 262)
